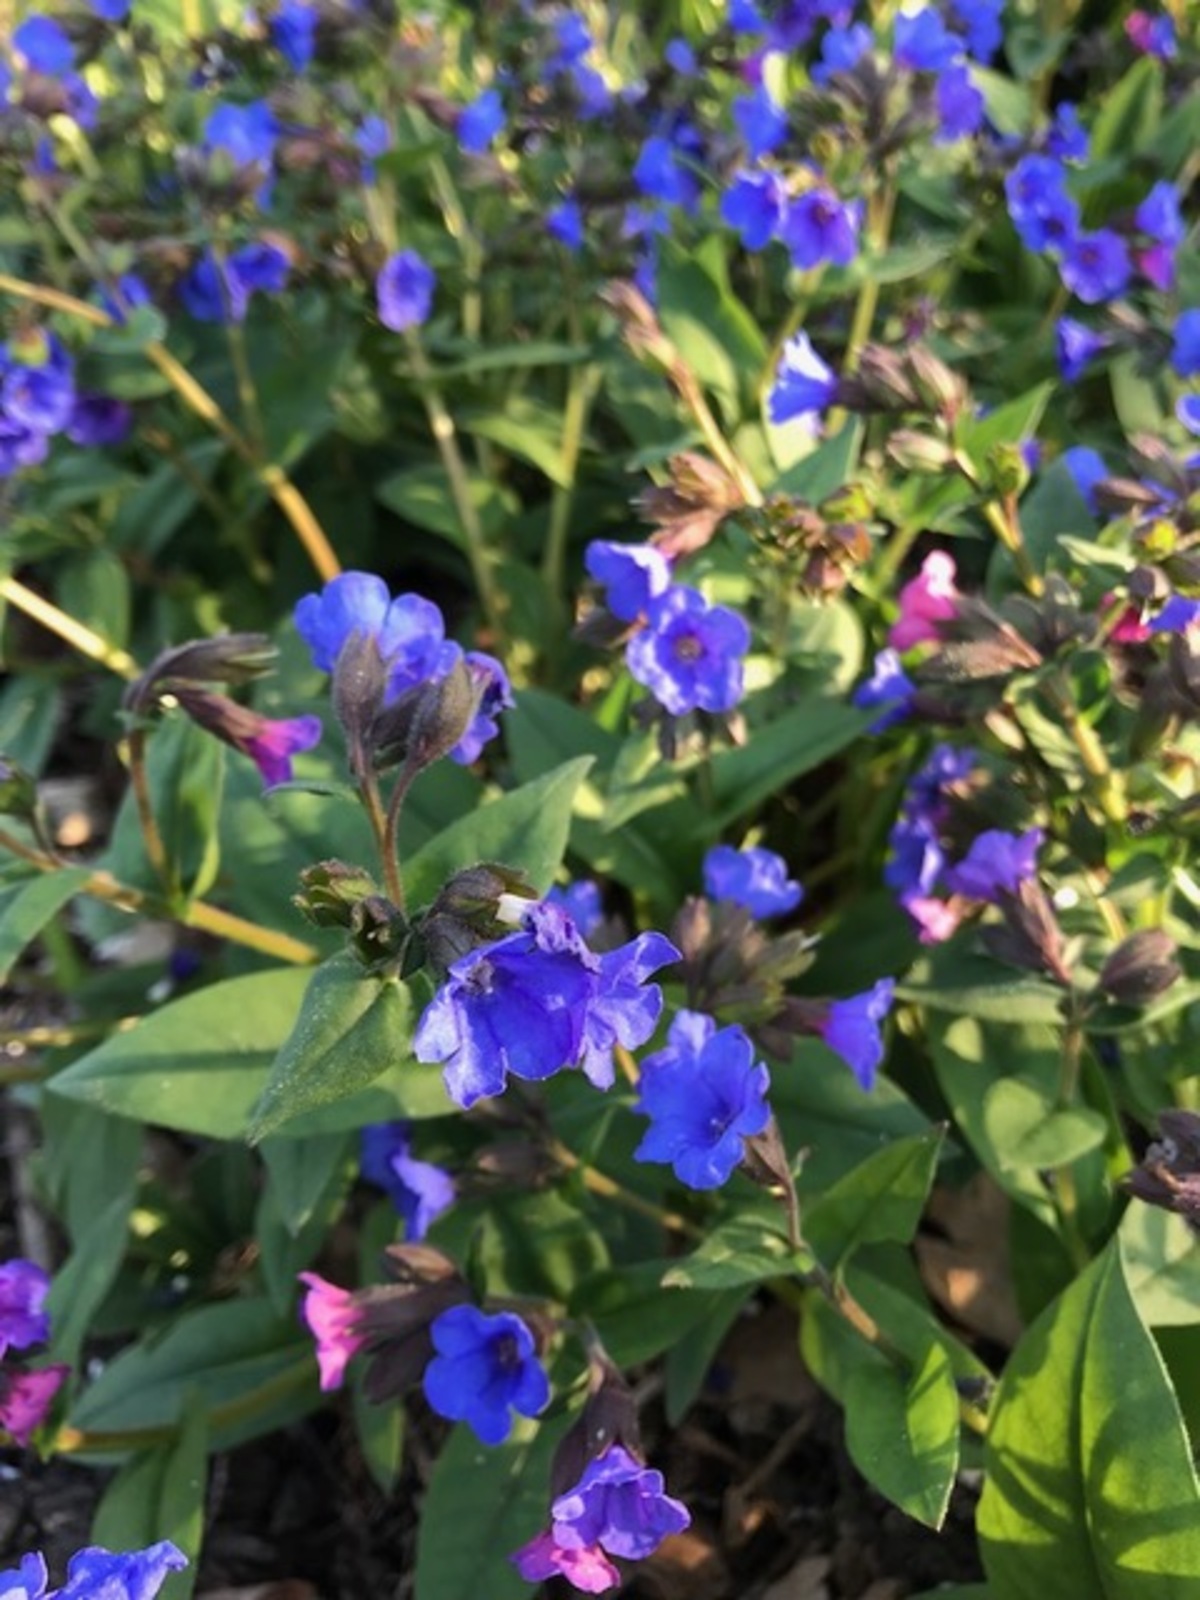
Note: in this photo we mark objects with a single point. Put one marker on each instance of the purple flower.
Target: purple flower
(23, 1290)
(331, 1316)
(1043, 213)
(404, 291)
(564, 222)
(38, 393)
(372, 139)
(681, 58)
(689, 655)
(484, 1368)
(818, 227)
(1187, 409)
(852, 1029)
(44, 46)
(996, 863)
(20, 446)
(1096, 266)
(924, 43)
(480, 122)
(215, 293)
(581, 901)
(745, 17)
(804, 385)
(269, 742)
(1087, 468)
(573, 41)
(588, 1569)
(841, 49)
(633, 574)
(762, 124)
(294, 33)
(1177, 615)
(755, 204)
(538, 1001)
(495, 696)
(409, 630)
(131, 292)
(247, 134)
(25, 1400)
(97, 420)
(1153, 36)
(705, 1094)
(97, 1574)
(26, 1582)
(1067, 139)
(888, 686)
(620, 1505)
(419, 1190)
(754, 878)
(960, 105)
(1185, 347)
(916, 859)
(110, 10)
(1077, 345)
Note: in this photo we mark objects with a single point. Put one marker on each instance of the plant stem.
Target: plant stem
(391, 831)
(1108, 788)
(881, 208)
(152, 839)
(198, 400)
(74, 633)
(581, 387)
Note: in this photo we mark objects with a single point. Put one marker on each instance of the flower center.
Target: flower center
(688, 647)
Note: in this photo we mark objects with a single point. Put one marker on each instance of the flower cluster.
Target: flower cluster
(97, 1574)
(537, 1001)
(40, 400)
(26, 1393)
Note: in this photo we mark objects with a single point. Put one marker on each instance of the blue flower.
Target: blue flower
(373, 138)
(480, 122)
(619, 1504)
(404, 291)
(981, 20)
(923, 43)
(1067, 139)
(247, 134)
(996, 863)
(1045, 216)
(573, 41)
(20, 446)
(1177, 615)
(841, 49)
(1087, 468)
(689, 655)
(633, 575)
(661, 173)
(419, 1190)
(26, 1582)
(38, 393)
(211, 293)
(681, 58)
(1076, 346)
(294, 33)
(804, 385)
(110, 10)
(97, 1574)
(564, 222)
(1187, 409)
(755, 204)
(98, 420)
(409, 630)
(745, 17)
(960, 105)
(44, 46)
(24, 1287)
(484, 1368)
(495, 696)
(916, 858)
(760, 121)
(1153, 36)
(1185, 345)
(582, 903)
(538, 1001)
(705, 1094)
(888, 686)
(753, 877)
(818, 227)
(1096, 266)
(851, 1028)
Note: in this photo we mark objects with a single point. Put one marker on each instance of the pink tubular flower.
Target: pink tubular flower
(588, 1569)
(1129, 627)
(926, 600)
(936, 919)
(26, 1397)
(332, 1317)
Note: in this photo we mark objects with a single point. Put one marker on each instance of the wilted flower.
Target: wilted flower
(484, 1368)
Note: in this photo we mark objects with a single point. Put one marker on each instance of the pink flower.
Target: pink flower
(936, 919)
(332, 1316)
(26, 1397)
(1129, 627)
(926, 600)
(588, 1569)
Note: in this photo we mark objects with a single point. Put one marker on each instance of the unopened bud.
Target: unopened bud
(1029, 935)
(1169, 1174)
(229, 658)
(1007, 468)
(941, 389)
(330, 890)
(882, 382)
(477, 905)
(358, 688)
(379, 932)
(1141, 968)
(919, 452)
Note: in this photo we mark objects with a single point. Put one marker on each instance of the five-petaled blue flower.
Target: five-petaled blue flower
(485, 1368)
(633, 575)
(689, 654)
(705, 1095)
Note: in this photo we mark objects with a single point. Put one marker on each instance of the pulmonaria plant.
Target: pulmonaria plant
(485, 1367)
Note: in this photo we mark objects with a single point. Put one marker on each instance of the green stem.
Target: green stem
(152, 839)
(581, 389)
(881, 209)
(391, 834)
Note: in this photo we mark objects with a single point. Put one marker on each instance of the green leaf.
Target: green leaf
(482, 1504)
(824, 470)
(301, 1170)
(241, 1356)
(741, 1250)
(1026, 1128)
(351, 1028)
(1090, 1486)
(89, 1160)
(902, 1433)
(28, 907)
(881, 1201)
(955, 978)
(1130, 112)
(781, 751)
(691, 1355)
(284, 1250)
(715, 334)
(421, 495)
(84, 1279)
(635, 1318)
(526, 830)
(160, 1494)
(1162, 1265)
(528, 429)
(536, 1243)
(1007, 424)
(29, 717)
(93, 588)
(380, 1428)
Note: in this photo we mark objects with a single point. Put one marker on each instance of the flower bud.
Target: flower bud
(379, 932)
(1029, 935)
(1141, 968)
(330, 890)
(474, 907)
(1169, 1174)
(1007, 469)
(919, 452)
(230, 658)
(358, 688)
(940, 388)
